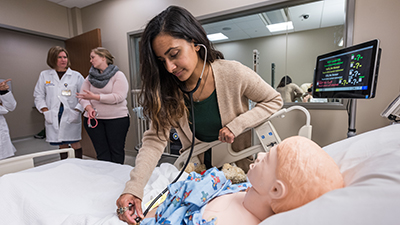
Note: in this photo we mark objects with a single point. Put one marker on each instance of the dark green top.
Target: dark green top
(207, 118)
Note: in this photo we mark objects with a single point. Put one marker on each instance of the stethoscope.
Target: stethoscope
(190, 93)
(95, 120)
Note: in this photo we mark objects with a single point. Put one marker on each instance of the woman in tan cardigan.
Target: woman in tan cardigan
(172, 54)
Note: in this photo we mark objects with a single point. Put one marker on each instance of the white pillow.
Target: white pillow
(370, 164)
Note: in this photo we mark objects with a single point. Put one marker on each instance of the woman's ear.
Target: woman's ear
(196, 46)
(278, 190)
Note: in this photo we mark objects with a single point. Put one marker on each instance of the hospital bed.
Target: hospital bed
(77, 191)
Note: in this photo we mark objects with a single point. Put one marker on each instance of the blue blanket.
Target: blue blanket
(187, 198)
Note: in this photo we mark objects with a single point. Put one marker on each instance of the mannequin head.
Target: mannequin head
(293, 173)
(304, 172)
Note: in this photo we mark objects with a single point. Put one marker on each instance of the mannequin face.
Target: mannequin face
(262, 172)
(178, 56)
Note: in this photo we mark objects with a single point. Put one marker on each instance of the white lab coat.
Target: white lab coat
(8, 104)
(49, 92)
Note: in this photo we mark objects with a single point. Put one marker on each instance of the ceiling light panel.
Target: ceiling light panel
(217, 37)
(276, 16)
(333, 13)
(279, 27)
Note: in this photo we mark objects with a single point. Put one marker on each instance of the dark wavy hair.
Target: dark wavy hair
(284, 81)
(162, 100)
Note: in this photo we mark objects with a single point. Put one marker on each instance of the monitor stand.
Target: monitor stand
(352, 118)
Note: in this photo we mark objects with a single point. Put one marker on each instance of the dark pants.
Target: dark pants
(108, 138)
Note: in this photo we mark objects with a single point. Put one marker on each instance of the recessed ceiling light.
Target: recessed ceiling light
(280, 26)
(217, 37)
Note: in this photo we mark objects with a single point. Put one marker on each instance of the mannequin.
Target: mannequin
(293, 173)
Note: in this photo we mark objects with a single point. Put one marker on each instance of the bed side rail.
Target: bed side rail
(23, 162)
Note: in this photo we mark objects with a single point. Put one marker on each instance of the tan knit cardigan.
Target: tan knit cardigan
(235, 85)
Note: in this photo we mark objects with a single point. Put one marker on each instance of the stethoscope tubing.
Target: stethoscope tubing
(90, 124)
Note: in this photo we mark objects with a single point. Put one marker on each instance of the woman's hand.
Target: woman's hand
(4, 86)
(45, 109)
(91, 111)
(129, 215)
(225, 135)
(88, 95)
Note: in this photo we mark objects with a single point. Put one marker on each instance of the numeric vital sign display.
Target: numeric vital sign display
(347, 73)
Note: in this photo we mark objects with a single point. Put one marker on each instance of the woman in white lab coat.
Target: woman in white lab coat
(54, 94)
(7, 104)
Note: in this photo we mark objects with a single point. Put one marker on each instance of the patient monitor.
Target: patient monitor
(350, 72)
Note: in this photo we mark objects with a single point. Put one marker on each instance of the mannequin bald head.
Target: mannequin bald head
(291, 174)
(305, 172)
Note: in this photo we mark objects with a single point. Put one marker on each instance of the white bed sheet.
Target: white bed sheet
(370, 164)
(72, 191)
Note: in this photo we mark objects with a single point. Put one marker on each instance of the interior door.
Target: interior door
(79, 48)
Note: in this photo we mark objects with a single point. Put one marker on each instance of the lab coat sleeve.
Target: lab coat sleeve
(120, 90)
(79, 84)
(3, 110)
(8, 103)
(40, 93)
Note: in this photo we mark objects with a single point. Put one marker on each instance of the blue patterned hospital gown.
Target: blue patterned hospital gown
(186, 199)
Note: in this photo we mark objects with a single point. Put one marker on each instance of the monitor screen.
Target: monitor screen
(348, 73)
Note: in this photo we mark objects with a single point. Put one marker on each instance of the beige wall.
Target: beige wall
(22, 57)
(379, 19)
(39, 16)
(115, 18)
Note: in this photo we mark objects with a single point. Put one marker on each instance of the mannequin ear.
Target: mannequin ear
(278, 190)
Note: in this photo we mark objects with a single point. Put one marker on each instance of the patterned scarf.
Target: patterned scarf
(99, 80)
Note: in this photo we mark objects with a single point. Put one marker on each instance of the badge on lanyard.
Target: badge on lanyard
(66, 91)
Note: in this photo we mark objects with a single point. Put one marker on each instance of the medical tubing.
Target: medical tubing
(90, 124)
(187, 161)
